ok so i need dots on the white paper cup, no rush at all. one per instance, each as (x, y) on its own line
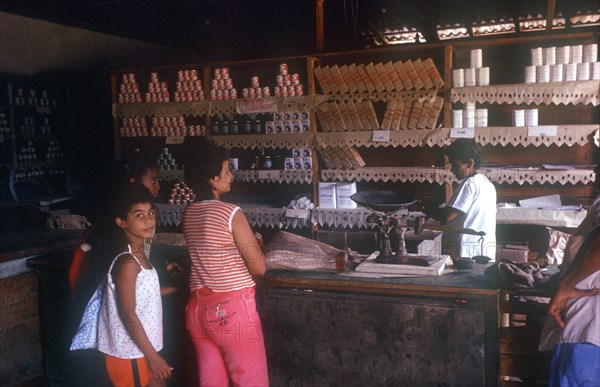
(536, 56)
(530, 74)
(583, 71)
(483, 76)
(458, 78)
(457, 118)
(542, 73)
(531, 117)
(518, 117)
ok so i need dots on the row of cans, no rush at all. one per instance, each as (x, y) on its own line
(583, 71)
(189, 96)
(168, 121)
(191, 130)
(221, 95)
(157, 97)
(128, 88)
(471, 77)
(221, 84)
(470, 118)
(129, 98)
(189, 85)
(187, 75)
(158, 87)
(36, 102)
(564, 54)
(32, 93)
(31, 176)
(525, 117)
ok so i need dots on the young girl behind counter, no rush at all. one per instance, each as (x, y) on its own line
(221, 315)
(130, 323)
(472, 205)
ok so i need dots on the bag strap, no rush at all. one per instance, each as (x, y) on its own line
(117, 257)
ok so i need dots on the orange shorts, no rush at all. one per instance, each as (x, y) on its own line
(127, 372)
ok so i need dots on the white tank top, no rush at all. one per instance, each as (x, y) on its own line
(113, 338)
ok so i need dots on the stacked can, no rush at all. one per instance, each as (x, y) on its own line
(157, 91)
(301, 159)
(166, 161)
(474, 75)
(54, 151)
(181, 194)
(287, 85)
(188, 87)
(129, 90)
(564, 63)
(221, 87)
(163, 126)
(255, 91)
(133, 127)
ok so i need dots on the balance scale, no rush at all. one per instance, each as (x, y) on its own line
(392, 256)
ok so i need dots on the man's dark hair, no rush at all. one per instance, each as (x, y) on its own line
(463, 150)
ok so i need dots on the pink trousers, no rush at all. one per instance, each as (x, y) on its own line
(227, 334)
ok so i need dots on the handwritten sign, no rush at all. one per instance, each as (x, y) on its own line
(542, 131)
(462, 133)
(251, 106)
(381, 136)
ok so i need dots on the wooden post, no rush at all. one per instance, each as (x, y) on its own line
(448, 58)
(550, 14)
(319, 17)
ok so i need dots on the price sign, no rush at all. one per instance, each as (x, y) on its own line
(381, 136)
(174, 140)
(262, 105)
(296, 213)
(542, 131)
(462, 133)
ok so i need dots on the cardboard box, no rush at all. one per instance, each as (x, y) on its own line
(343, 191)
(327, 197)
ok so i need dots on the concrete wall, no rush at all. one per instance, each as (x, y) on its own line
(31, 46)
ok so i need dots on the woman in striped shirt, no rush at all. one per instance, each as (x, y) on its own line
(221, 314)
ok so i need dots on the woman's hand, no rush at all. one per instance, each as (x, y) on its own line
(559, 301)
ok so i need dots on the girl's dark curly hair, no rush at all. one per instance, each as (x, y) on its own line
(464, 149)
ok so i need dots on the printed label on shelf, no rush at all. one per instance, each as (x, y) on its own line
(174, 140)
(542, 131)
(462, 133)
(265, 174)
(296, 213)
(381, 136)
(262, 105)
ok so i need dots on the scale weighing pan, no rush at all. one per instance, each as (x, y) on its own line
(383, 201)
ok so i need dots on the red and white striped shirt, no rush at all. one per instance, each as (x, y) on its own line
(216, 260)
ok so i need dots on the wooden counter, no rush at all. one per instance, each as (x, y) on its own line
(327, 329)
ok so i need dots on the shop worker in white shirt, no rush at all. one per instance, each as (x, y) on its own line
(572, 328)
(473, 204)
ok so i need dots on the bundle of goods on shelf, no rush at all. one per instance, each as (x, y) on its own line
(181, 194)
(255, 91)
(398, 76)
(222, 86)
(470, 117)
(347, 116)
(475, 75)
(301, 159)
(564, 63)
(33, 99)
(341, 157)
(287, 85)
(157, 91)
(525, 117)
(188, 87)
(129, 90)
(288, 122)
(166, 161)
(412, 114)
(336, 195)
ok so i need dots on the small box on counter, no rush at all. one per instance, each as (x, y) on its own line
(327, 197)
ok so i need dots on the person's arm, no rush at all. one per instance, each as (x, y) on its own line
(442, 214)
(249, 247)
(585, 263)
(125, 275)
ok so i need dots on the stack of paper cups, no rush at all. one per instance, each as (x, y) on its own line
(590, 53)
(583, 71)
(481, 118)
(549, 55)
(563, 54)
(531, 117)
(595, 71)
(518, 117)
(469, 118)
(556, 73)
(457, 118)
(483, 76)
(536, 56)
(476, 58)
(576, 54)
(470, 77)
(530, 74)
(542, 73)
(458, 78)
(570, 72)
